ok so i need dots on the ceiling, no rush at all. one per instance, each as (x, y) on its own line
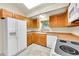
(50, 11)
(47, 9)
(43, 8)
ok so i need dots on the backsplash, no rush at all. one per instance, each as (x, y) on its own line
(74, 30)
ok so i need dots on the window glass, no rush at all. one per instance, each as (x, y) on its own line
(44, 24)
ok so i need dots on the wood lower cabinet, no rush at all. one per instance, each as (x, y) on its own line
(29, 39)
(36, 38)
(42, 39)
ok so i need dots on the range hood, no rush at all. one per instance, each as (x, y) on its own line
(74, 23)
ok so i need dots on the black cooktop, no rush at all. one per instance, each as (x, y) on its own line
(69, 50)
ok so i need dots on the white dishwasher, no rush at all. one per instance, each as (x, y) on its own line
(51, 41)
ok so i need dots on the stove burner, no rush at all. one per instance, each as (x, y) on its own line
(76, 43)
(69, 50)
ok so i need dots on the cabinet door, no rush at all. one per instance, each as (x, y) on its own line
(29, 39)
(6, 13)
(59, 20)
(21, 34)
(42, 40)
(18, 17)
(35, 37)
(30, 23)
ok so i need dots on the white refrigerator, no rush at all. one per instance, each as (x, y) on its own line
(14, 35)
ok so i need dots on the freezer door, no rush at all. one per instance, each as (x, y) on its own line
(1, 37)
(10, 42)
(21, 34)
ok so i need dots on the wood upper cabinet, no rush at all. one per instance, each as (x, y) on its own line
(0, 13)
(33, 23)
(29, 24)
(20, 17)
(4, 13)
(59, 20)
(7, 13)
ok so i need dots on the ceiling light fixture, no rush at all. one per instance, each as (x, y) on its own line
(43, 17)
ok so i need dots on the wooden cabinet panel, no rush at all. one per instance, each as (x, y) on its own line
(16, 16)
(29, 39)
(42, 40)
(7, 13)
(20, 17)
(35, 37)
(1, 13)
(59, 20)
(4, 13)
(39, 39)
(33, 23)
(29, 24)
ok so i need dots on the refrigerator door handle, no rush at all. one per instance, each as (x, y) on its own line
(12, 34)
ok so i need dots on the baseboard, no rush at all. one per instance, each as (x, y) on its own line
(20, 52)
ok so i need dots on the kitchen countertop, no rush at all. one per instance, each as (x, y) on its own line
(74, 33)
(55, 30)
(65, 36)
